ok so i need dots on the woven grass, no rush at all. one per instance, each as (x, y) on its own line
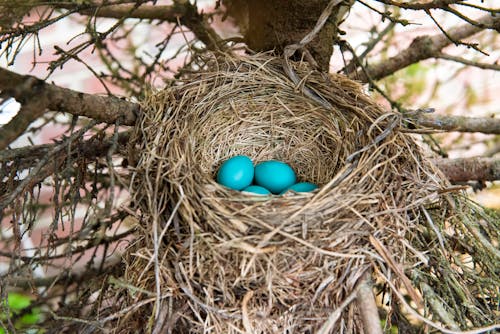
(214, 260)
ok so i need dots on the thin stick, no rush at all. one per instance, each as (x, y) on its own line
(368, 307)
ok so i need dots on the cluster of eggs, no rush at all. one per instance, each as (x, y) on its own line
(266, 178)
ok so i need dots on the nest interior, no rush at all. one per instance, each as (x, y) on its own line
(221, 261)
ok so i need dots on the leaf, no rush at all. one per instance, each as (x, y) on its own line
(29, 319)
(17, 301)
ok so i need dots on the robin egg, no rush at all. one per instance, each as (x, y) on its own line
(236, 173)
(274, 175)
(257, 190)
(301, 187)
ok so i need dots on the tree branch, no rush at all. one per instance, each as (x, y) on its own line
(36, 155)
(368, 307)
(16, 127)
(457, 123)
(419, 5)
(424, 47)
(468, 169)
(26, 88)
(181, 11)
(484, 66)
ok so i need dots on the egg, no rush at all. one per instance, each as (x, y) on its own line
(274, 175)
(236, 173)
(257, 190)
(302, 187)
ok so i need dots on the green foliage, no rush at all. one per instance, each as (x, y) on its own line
(407, 85)
(392, 330)
(20, 312)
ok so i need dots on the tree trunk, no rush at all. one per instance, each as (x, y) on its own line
(274, 24)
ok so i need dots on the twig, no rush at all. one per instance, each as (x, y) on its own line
(433, 324)
(374, 41)
(76, 276)
(91, 148)
(106, 109)
(368, 307)
(186, 12)
(6, 199)
(396, 268)
(385, 14)
(419, 5)
(464, 61)
(457, 42)
(291, 49)
(424, 47)
(370, 45)
(437, 306)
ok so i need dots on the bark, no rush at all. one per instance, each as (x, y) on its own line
(368, 307)
(37, 96)
(274, 24)
(458, 123)
(470, 169)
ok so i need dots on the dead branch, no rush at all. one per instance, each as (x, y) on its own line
(456, 123)
(181, 11)
(90, 149)
(25, 88)
(424, 47)
(468, 169)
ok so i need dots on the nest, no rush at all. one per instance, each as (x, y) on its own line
(214, 260)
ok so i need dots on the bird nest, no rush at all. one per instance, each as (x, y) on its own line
(213, 260)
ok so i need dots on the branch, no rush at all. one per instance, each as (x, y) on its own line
(181, 11)
(36, 157)
(26, 88)
(468, 62)
(424, 47)
(468, 169)
(440, 4)
(368, 307)
(419, 6)
(457, 123)
(12, 130)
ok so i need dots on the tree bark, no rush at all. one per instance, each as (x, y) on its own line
(25, 88)
(457, 123)
(470, 169)
(274, 24)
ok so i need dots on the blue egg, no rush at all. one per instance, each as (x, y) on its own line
(236, 173)
(302, 187)
(257, 190)
(274, 175)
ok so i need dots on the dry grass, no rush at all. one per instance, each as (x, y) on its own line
(213, 260)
